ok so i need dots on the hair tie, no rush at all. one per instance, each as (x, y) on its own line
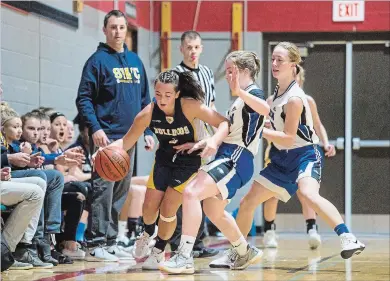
(55, 115)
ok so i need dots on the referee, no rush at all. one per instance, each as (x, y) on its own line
(191, 48)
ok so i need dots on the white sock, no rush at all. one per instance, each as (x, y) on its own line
(186, 245)
(241, 245)
(122, 226)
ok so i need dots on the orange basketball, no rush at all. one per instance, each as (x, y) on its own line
(112, 163)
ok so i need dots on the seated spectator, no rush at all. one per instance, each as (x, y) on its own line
(74, 196)
(26, 196)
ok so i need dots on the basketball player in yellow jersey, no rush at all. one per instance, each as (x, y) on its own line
(178, 102)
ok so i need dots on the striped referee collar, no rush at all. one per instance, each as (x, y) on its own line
(189, 68)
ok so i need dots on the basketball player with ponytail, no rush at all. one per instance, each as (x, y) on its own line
(295, 163)
(171, 116)
(270, 206)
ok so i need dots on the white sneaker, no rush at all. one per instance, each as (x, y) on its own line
(154, 260)
(350, 245)
(131, 248)
(100, 254)
(314, 239)
(120, 253)
(252, 256)
(224, 261)
(17, 265)
(141, 247)
(123, 238)
(178, 264)
(269, 239)
(125, 243)
(74, 255)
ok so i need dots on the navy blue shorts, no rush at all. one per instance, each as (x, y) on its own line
(231, 169)
(287, 167)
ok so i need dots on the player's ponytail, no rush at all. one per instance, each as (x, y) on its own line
(257, 63)
(183, 82)
(189, 87)
(300, 74)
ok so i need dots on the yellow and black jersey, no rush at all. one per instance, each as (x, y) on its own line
(171, 131)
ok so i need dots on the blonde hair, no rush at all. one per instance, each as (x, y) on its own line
(293, 51)
(301, 74)
(293, 55)
(7, 113)
(246, 59)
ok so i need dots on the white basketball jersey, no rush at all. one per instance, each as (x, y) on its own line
(245, 123)
(202, 130)
(305, 134)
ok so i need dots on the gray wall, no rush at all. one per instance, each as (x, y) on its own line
(41, 61)
(64, 6)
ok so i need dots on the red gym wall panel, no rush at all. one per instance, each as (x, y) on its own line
(104, 6)
(266, 16)
(313, 16)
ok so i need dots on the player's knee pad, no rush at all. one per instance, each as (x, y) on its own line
(170, 219)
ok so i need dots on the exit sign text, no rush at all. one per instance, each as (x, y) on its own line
(344, 11)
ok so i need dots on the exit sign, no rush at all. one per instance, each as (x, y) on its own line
(348, 10)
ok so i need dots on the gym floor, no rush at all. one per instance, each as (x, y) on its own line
(292, 260)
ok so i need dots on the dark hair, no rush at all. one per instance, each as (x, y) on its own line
(55, 115)
(190, 34)
(46, 110)
(115, 13)
(40, 114)
(183, 82)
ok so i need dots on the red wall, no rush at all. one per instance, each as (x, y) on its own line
(264, 16)
(104, 6)
(309, 16)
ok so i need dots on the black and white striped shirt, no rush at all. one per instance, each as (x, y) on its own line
(205, 77)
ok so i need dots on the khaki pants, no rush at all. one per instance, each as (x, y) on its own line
(28, 195)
